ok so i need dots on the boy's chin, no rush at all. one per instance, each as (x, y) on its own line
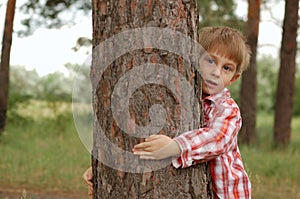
(210, 92)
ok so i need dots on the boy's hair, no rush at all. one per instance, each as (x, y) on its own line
(228, 42)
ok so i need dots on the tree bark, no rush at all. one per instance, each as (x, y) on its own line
(5, 57)
(285, 88)
(248, 88)
(125, 176)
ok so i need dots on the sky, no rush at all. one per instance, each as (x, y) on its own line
(48, 51)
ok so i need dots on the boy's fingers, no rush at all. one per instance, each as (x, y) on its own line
(89, 175)
(151, 137)
(142, 145)
(138, 146)
(89, 183)
(142, 153)
(87, 179)
(145, 157)
(90, 192)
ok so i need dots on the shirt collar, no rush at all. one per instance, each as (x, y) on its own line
(218, 97)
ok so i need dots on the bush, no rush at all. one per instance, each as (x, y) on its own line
(267, 78)
(23, 85)
(297, 95)
(26, 85)
(267, 72)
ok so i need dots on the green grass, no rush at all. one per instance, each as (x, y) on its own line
(41, 153)
(274, 172)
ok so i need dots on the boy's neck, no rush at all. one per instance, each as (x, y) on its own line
(204, 95)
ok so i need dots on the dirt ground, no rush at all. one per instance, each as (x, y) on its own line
(28, 194)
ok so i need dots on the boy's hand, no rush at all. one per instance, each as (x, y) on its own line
(87, 178)
(157, 147)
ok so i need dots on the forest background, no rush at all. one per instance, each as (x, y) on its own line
(43, 156)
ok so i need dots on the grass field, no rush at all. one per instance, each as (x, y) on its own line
(43, 157)
(42, 154)
(274, 172)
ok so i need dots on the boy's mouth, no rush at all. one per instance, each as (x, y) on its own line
(211, 83)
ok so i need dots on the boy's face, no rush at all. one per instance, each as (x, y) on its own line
(217, 73)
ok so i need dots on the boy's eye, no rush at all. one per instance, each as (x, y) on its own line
(210, 60)
(227, 68)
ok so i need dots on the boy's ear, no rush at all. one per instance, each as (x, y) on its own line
(235, 77)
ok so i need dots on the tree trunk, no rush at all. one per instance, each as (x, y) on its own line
(5, 57)
(144, 82)
(248, 89)
(285, 88)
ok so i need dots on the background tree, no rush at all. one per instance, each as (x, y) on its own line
(248, 87)
(5, 59)
(285, 88)
(110, 18)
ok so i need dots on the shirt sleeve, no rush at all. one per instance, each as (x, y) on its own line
(209, 142)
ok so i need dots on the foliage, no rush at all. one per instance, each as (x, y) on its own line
(23, 85)
(297, 95)
(82, 91)
(82, 42)
(267, 78)
(56, 13)
(267, 74)
(51, 13)
(219, 13)
(55, 87)
(27, 85)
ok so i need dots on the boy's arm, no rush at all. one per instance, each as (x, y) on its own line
(87, 178)
(157, 147)
(208, 143)
(200, 144)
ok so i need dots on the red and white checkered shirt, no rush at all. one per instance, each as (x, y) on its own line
(217, 143)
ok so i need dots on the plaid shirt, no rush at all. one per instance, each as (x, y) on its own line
(217, 143)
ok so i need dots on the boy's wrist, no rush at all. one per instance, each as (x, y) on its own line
(175, 149)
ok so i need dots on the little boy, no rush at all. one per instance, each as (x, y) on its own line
(216, 142)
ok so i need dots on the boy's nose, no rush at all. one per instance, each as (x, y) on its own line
(215, 71)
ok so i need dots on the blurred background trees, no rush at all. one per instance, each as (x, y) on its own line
(219, 13)
(249, 80)
(5, 60)
(286, 79)
(51, 14)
